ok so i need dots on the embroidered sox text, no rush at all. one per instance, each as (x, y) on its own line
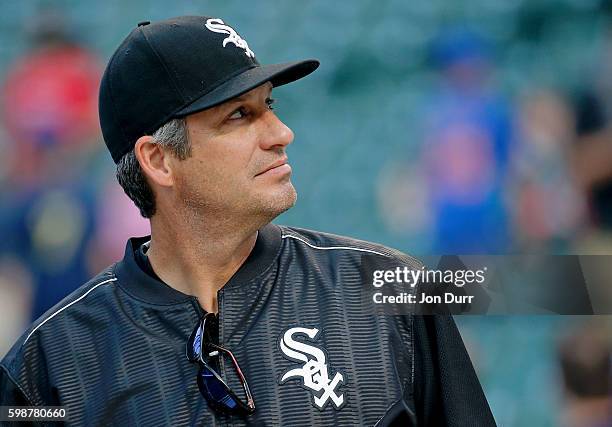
(314, 371)
(218, 26)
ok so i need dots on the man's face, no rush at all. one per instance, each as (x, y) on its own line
(238, 166)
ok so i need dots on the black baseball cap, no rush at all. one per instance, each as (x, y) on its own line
(176, 67)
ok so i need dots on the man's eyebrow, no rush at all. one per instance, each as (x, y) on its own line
(243, 98)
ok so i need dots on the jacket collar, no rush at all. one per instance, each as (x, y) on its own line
(139, 284)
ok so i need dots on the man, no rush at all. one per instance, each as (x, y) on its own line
(220, 317)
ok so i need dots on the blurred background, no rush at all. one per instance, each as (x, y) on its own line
(438, 127)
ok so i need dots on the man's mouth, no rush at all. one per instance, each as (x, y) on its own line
(278, 167)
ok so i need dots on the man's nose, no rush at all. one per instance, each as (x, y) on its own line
(275, 132)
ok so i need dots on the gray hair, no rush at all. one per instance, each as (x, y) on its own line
(171, 136)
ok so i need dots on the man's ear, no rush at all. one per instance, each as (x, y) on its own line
(154, 161)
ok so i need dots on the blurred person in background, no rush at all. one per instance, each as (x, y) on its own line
(49, 214)
(547, 206)
(592, 155)
(585, 363)
(49, 111)
(465, 152)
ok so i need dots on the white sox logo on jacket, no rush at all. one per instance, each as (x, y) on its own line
(314, 371)
(218, 26)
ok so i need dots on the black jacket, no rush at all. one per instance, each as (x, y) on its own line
(113, 352)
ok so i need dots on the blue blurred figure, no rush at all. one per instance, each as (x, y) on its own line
(466, 149)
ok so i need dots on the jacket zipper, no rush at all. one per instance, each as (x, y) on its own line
(200, 313)
(220, 323)
(221, 359)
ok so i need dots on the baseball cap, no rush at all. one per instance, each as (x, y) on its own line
(176, 67)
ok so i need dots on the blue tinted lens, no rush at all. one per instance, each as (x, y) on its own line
(194, 344)
(214, 390)
(197, 343)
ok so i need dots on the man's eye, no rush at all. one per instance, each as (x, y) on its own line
(270, 102)
(238, 114)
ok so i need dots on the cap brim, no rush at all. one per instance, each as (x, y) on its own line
(277, 74)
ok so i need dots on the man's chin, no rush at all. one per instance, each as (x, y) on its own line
(279, 201)
(286, 199)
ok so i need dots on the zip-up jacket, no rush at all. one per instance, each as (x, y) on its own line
(313, 353)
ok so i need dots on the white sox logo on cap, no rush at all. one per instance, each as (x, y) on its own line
(218, 26)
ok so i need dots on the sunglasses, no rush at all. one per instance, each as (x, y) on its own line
(201, 349)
